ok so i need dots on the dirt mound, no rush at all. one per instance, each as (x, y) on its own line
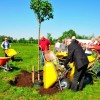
(25, 80)
(49, 91)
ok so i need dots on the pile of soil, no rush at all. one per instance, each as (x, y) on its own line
(49, 91)
(25, 80)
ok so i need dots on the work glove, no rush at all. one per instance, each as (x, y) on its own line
(62, 66)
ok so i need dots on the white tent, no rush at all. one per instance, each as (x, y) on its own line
(84, 41)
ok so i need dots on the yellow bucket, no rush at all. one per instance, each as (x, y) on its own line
(49, 75)
(10, 52)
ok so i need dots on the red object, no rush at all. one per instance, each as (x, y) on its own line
(97, 47)
(44, 44)
(3, 60)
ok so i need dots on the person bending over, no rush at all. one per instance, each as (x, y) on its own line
(77, 55)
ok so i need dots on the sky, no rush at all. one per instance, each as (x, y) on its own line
(19, 21)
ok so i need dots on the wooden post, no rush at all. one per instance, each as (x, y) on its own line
(33, 74)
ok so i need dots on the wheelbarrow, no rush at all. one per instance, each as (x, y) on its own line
(10, 52)
(4, 63)
(70, 73)
(53, 73)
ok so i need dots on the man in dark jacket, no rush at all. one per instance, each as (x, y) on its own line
(77, 55)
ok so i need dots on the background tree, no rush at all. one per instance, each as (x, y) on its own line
(2, 38)
(31, 40)
(22, 40)
(43, 10)
(50, 37)
(82, 37)
(69, 34)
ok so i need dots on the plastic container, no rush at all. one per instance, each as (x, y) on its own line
(3, 60)
(49, 75)
(10, 52)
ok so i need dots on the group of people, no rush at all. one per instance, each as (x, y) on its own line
(76, 54)
(93, 45)
(61, 47)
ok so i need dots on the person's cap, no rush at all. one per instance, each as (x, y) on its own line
(73, 37)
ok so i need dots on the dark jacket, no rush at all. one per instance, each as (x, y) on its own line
(76, 55)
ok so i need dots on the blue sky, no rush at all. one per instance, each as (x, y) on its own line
(18, 20)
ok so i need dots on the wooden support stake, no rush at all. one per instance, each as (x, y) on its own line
(33, 74)
(38, 76)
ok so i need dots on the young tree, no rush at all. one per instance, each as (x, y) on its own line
(43, 10)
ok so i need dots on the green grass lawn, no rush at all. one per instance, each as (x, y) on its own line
(29, 55)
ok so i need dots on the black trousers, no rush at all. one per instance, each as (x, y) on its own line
(5, 53)
(78, 79)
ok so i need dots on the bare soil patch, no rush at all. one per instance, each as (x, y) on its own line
(25, 80)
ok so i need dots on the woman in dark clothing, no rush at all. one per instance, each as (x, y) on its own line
(5, 45)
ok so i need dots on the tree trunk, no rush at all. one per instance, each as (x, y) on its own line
(39, 52)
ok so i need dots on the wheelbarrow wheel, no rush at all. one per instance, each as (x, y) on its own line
(65, 83)
(88, 79)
